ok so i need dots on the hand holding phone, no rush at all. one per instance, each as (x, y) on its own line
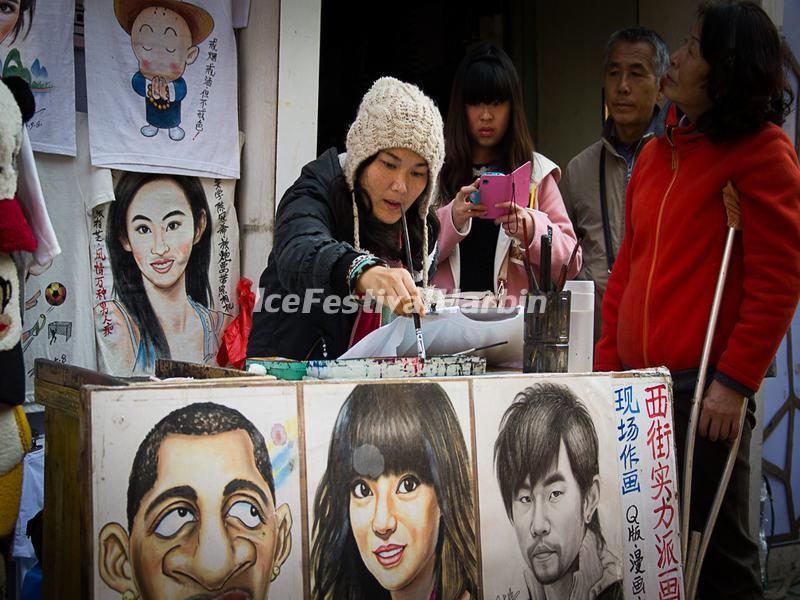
(496, 188)
(464, 207)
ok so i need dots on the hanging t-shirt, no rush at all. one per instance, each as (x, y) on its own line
(42, 55)
(31, 199)
(241, 13)
(58, 300)
(162, 87)
(165, 263)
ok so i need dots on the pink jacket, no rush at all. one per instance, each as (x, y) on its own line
(549, 210)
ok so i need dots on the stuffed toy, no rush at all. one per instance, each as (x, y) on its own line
(16, 106)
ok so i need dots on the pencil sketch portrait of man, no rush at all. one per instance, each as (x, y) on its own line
(546, 461)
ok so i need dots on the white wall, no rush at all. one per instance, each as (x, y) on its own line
(258, 110)
(298, 86)
(278, 74)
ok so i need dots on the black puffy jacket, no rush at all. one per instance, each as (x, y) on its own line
(307, 254)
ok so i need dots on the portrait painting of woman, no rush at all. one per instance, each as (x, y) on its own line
(393, 513)
(158, 235)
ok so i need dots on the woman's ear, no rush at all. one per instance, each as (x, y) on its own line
(283, 535)
(591, 500)
(123, 241)
(201, 226)
(114, 561)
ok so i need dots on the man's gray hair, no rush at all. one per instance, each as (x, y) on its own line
(637, 33)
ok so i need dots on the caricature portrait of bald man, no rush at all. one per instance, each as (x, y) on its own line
(202, 516)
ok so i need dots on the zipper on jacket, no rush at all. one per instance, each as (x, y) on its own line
(655, 249)
(638, 149)
(314, 347)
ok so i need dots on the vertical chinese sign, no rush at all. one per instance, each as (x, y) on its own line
(648, 489)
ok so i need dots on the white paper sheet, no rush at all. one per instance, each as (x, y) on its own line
(448, 331)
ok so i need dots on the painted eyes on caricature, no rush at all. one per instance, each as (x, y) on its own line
(361, 489)
(146, 29)
(169, 31)
(171, 523)
(176, 519)
(553, 496)
(246, 513)
(143, 229)
(406, 485)
(8, 8)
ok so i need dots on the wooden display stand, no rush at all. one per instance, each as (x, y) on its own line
(62, 390)
(96, 426)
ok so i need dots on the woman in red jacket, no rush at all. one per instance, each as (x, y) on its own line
(729, 95)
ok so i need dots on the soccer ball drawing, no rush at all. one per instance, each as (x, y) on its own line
(55, 293)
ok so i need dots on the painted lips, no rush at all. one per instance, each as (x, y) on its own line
(488, 132)
(389, 555)
(162, 266)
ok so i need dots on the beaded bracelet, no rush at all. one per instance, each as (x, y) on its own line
(358, 266)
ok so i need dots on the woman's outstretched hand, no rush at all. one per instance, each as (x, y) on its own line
(392, 287)
(463, 209)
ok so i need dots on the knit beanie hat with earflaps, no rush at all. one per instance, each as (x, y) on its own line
(395, 114)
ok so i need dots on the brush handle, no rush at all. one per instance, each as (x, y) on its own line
(420, 343)
(417, 323)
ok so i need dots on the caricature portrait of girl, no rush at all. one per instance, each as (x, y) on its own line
(393, 513)
(159, 244)
(14, 14)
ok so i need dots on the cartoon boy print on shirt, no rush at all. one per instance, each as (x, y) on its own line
(164, 35)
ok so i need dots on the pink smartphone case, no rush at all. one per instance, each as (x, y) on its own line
(498, 188)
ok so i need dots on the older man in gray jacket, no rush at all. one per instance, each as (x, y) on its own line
(594, 182)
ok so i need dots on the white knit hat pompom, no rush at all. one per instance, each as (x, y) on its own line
(395, 114)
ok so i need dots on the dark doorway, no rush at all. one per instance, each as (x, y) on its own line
(420, 42)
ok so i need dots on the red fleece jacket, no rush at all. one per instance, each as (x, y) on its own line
(656, 307)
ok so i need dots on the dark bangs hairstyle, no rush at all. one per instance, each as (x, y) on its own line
(531, 432)
(384, 241)
(747, 81)
(485, 75)
(391, 429)
(128, 283)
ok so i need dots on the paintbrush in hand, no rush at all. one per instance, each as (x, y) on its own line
(417, 322)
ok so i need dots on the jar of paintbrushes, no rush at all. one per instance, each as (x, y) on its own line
(547, 314)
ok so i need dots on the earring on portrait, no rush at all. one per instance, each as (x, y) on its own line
(276, 570)
(128, 595)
